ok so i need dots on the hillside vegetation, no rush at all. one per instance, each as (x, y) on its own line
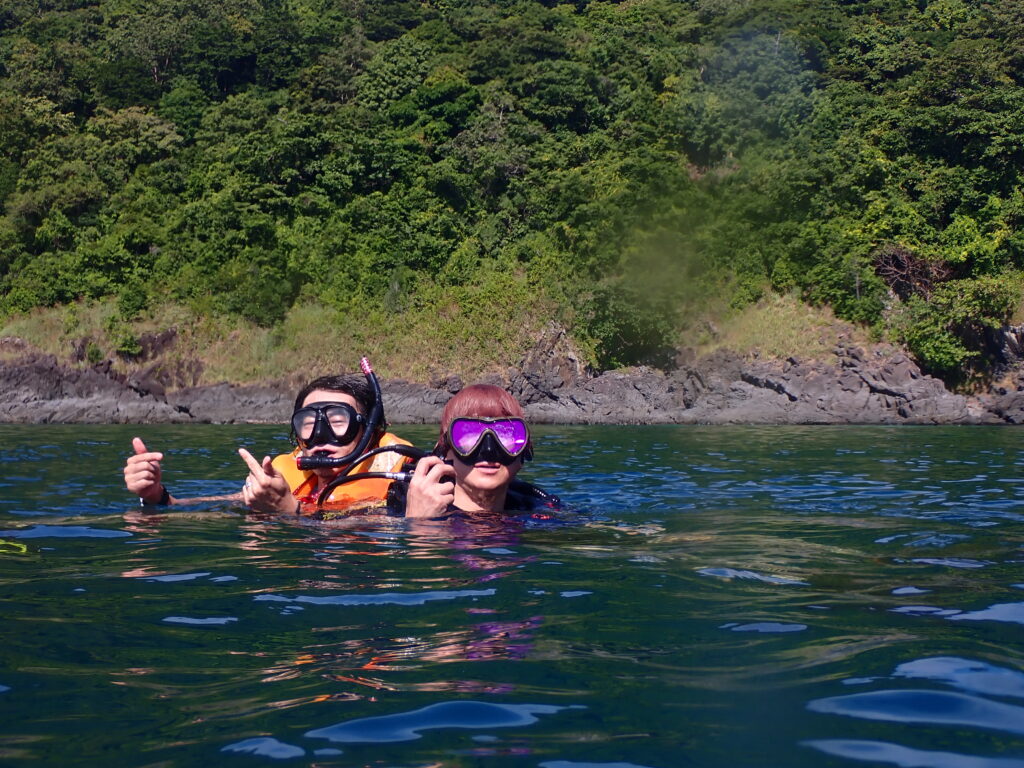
(293, 183)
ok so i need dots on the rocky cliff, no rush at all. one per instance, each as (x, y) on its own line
(878, 385)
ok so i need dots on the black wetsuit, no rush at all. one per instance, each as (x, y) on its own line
(521, 497)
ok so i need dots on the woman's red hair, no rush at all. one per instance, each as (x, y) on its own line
(483, 401)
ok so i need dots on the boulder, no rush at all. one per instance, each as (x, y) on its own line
(409, 403)
(227, 404)
(554, 363)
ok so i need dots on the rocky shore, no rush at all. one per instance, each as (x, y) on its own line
(878, 385)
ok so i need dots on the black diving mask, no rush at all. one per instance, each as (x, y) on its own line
(326, 424)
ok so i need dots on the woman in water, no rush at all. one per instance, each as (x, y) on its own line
(481, 447)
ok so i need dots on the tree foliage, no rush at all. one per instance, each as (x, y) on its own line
(625, 159)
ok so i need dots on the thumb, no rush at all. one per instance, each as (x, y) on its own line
(138, 445)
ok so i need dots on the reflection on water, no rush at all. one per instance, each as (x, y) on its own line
(893, 754)
(408, 726)
(720, 597)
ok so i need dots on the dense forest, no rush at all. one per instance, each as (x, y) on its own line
(616, 166)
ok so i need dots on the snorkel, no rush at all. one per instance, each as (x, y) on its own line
(345, 477)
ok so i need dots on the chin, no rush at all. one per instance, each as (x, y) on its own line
(489, 483)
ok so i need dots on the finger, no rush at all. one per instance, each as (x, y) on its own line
(423, 465)
(261, 486)
(441, 471)
(138, 445)
(268, 467)
(140, 472)
(250, 460)
(269, 487)
(144, 472)
(144, 459)
(255, 485)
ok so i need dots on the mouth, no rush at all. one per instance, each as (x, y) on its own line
(324, 451)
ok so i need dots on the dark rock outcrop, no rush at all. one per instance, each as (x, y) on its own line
(408, 403)
(880, 385)
(35, 388)
(549, 369)
(227, 404)
(1007, 399)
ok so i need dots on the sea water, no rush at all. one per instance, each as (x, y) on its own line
(726, 596)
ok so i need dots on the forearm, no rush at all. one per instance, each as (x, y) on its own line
(237, 496)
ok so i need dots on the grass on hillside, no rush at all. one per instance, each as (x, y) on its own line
(461, 331)
(777, 327)
(455, 330)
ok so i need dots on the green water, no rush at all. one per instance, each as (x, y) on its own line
(721, 597)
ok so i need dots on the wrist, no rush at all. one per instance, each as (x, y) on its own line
(161, 501)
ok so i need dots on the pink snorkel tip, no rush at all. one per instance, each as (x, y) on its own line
(364, 365)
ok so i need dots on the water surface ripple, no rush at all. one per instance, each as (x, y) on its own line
(729, 596)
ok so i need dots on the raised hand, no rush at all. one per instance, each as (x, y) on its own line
(431, 489)
(142, 473)
(265, 489)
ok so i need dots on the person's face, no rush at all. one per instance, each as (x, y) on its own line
(332, 450)
(486, 476)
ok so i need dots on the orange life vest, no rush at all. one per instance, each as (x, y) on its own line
(358, 493)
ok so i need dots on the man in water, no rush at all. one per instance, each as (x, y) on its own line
(336, 420)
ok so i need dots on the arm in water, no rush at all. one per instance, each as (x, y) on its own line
(143, 477)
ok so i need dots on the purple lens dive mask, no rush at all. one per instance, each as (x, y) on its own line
(465, 434)
(510, 439)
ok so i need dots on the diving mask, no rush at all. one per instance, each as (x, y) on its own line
(326, 424)
(501, 439)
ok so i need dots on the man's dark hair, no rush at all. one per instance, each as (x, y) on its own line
(351, 384)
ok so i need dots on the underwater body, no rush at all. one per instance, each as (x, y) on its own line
(715, 596)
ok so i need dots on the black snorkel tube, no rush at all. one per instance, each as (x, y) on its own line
(345, 477)
(402, 450)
